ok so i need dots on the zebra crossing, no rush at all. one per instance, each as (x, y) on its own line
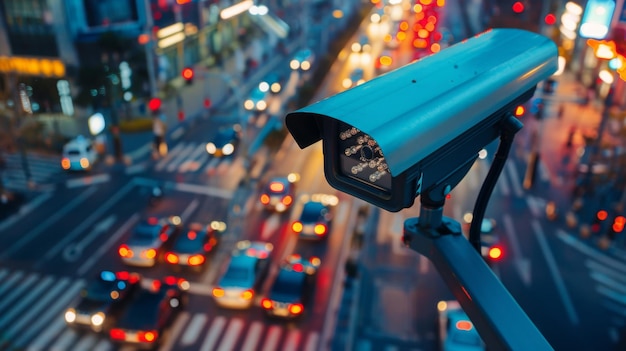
(609, 279)
(43, 169)
(32, 306)
(191, 157)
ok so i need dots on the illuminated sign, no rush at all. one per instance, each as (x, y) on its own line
(236, 9)
(597, 19)
(32, 66)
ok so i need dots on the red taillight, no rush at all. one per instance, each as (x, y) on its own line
(195, 260)
(65, 163)
(247, 295)
(296, 227)
(163, 236)
(495, 253)
(296, 308)
(266, 303)
(156, 285)
(287, 200)
(218, 292)
(153, 221)
(320, 229)
(171, 258)
(123, 275)
(149, 253)
(117, 334)
(277, 187)
(148, 336)
(170, 280)
(125, 251)
(265, 199)
(297, 267)
(464, 325)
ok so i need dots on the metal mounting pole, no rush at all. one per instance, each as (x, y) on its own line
(500, 321)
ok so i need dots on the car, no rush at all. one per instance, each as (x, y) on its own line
(456, 331)
(244, 275)
(102, 301)
(271, 83)
(316, 217)
(383, 62)
(150, 313)
(192, 247)
(149, 240)
(490, 245)
(225, 142)
(78, 155)
(302, 60)
(361, 45)
(293, 287)
(279, 193)
(257, 101)
(355, 78)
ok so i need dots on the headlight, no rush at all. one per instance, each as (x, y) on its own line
(305, 65)
(294, 64)
(210, 148)
(97, 319)
(249, 104)
(228, 149)
(70, 315)
(261, 105)
(275, 87)
(347, 83)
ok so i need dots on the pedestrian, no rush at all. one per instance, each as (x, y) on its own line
(158, 129)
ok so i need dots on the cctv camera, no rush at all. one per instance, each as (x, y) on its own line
(410, 131)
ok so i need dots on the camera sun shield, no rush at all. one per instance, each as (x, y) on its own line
(386, 141)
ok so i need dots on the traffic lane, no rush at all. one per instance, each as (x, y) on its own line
(21, 231)
(86, 210)
(190, 208)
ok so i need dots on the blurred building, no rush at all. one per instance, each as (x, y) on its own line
(70, 57)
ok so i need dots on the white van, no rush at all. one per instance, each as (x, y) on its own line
(78, 154)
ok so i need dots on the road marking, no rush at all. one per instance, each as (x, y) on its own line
(231, 334)
(293, 340)
(504, 186)
(189, 210)
(145, 149)
(515, 179)
(162, 162)
(597, 267)
(177, 133)
(269, 226)
(193, 329)
(52, 318)
(521, 263)
(136, 168)
(312, 342)
(616, 308)
(253, 336)
(87, 222)
(104, 248)
(35, 308)
(552, 266)
(204, 190)
(44, 225)
(11, 281)
(64, 341)
(25, 302)
(86, 181)
(598, 256)
(536, 205)
(215, 329)
(103, 345)
(74, 250)
(272, 338)
(182, 156)
(18, 290)
(174, 331)
(609, 282)
(86, 343)
(24, 210)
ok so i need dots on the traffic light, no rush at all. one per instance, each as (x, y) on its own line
(518, 7)
(187, 74)
(154, 105)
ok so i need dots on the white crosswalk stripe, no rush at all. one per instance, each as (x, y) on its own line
(43, 169)
(32, 319)
(191, 157)
(610, 283)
